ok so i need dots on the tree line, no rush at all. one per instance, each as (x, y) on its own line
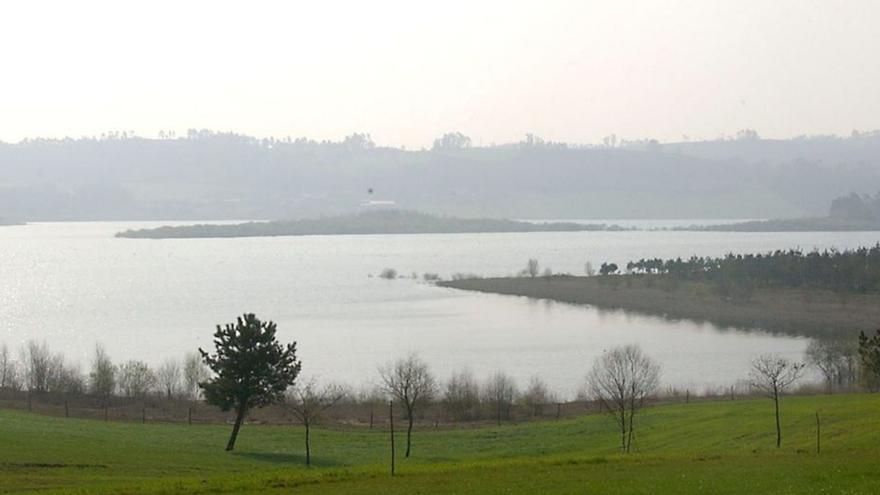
(849, 270)
(39, 370)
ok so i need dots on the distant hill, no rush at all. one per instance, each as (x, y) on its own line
(209, 175)
(373, 222)
(819, 224)
(853, 212)
(5, 222)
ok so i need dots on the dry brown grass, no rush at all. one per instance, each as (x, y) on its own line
(793, 311)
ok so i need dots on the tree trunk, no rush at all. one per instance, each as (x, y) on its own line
(778, 427)
(629, 433)
(239, 417)
(409, 429)
(308, 446)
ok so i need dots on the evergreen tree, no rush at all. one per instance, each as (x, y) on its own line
(251, 369)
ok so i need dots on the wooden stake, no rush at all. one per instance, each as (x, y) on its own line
(818, 435)
(391, 421)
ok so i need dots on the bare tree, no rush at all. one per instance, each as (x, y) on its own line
(589, 270)
(135, 379)
(532, 268)
(102, 377)
(308, 402)
(500, 393)
(848, 364)
(374, 397)
(772, 375)
(168, 376)
(38, 366)
(461, 396)
(66, 378)
(536, 396)
(411, 383)
(8, 370)
(194, 372)
(621, 381)
(825, 356)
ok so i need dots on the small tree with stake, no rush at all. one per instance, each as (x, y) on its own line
(772, 375)
(621, 381)
(308, 402)
(251, 369)
(411, 383)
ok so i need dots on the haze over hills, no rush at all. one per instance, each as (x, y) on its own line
(208, 175)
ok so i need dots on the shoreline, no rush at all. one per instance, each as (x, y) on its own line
(799, 312)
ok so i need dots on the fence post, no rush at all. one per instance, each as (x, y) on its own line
(818, 435)
(189, 416)
(143, 414)
(66, 410)
(371, 417)
(391, 421)
(558, 410)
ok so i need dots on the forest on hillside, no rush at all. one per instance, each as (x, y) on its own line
(215, 175)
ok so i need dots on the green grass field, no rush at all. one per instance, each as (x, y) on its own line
(710, 447)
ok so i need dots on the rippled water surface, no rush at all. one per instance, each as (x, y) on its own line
(74, 284)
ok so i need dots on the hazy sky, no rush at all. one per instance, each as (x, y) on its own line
(407, 71)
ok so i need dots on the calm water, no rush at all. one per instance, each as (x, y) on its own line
(74, 284)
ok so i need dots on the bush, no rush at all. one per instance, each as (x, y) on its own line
(388, 274)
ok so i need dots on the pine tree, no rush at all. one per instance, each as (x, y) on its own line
(251, 369)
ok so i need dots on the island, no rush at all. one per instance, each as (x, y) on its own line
(364, 223)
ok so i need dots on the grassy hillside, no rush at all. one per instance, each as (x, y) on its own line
(717, 447)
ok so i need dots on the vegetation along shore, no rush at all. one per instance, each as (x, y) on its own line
(829, 293)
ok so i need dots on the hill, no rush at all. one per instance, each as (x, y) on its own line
(853, 212)
(211, 175)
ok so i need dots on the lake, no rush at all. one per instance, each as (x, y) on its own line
(74, 285)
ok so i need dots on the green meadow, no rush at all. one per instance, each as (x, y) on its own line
(701, 447)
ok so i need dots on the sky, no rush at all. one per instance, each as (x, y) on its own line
(408, 71)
